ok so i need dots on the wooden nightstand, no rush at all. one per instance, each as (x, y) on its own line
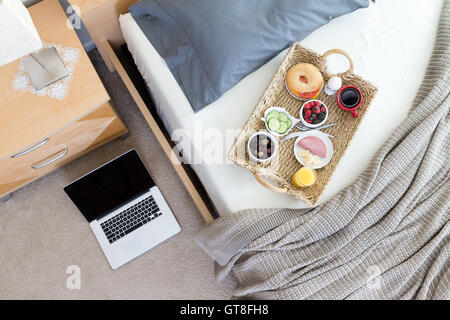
(39, 134)
(101, 18)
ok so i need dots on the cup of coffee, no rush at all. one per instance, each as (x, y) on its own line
(349, 98)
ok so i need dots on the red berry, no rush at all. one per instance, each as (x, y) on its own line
(312, 104)
(322, 109)
(308, 121)
(316, 109)
(307, 106)
(317, 103)
(307, 113)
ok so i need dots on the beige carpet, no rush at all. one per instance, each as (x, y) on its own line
(42, 233)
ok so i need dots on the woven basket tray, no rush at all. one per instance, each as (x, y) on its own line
(284, 165)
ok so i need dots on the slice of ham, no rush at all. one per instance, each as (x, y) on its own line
(314, 145)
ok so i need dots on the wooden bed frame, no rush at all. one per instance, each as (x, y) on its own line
(101, 18)
(206, 210)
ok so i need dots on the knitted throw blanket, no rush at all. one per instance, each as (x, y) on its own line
(390, 242)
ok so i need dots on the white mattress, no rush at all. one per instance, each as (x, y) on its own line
(390, 42)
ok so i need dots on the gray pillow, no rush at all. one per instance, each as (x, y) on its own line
(210, 45)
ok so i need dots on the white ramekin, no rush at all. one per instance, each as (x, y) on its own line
(272, 139)
(310, 125)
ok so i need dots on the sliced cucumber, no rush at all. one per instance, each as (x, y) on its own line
(283, 117)
(283, 128)
(274, 114)
(273, 124)
(289, 122)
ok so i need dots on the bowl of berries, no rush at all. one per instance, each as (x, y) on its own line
(313, 113)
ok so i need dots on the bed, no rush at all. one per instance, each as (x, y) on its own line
(389, 48)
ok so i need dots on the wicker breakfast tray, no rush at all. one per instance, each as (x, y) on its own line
(284, 165)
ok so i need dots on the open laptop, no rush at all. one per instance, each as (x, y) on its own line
(124, 207)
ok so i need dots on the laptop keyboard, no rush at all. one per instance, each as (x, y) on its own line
(130, 219)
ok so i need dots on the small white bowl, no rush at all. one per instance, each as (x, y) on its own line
(279, 109)
(274, 146)
(310, 125)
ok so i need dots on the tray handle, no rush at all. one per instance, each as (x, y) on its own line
(342, 52)
(269, 186)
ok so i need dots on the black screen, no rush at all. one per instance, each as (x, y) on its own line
(110, 186)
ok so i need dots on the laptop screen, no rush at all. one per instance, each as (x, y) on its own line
(109, 187)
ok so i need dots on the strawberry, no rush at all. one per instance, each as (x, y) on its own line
(307, 113)
(316, 109)
(322, 109)
(308, 121)
(312, 104)
(306, 107)
(317, 103)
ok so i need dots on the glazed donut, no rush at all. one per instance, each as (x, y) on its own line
(304, 81)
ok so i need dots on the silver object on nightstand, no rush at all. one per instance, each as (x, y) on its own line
(45, 67)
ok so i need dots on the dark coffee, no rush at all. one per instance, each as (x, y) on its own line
(350, 97)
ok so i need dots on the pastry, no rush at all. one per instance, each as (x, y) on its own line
(304, 81)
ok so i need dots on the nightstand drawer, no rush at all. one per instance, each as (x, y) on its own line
(52, 152)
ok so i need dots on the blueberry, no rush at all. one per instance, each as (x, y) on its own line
(311, 118)
(321, 116)
(316, 121)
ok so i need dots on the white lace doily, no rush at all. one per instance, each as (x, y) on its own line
(57, 90)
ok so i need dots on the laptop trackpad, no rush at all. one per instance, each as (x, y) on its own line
(131, 246)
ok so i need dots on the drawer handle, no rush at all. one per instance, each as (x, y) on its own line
(53, 160)
(40, 144)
